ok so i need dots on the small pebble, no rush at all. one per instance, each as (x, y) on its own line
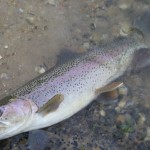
(4, 85)
(102, 113)
(125, 29)
(78, 30)
(51, 2)
(123, 6)
(6, 46)
(1, 57)
(21, 10)
(117, 109)
(4, 76)
(147, 138)
(40, 69)
(30, 20)
(121, 104)
(123, 90)
(142, 119)
(121, 118)
(86, 45)
(6, 91)
(104, 36)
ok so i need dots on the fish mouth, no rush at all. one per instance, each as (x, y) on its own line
(8, 130)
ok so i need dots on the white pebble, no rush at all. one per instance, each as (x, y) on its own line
(102, 113)
(86, 45)
(21, 10)
(30, 20)
(42, 70)
(39, 69)
(4, 76)
(122, 104)
(4, 85)
(117, 109)
(1, 57)
(51, 2)
(123, 6)
(6, 46)
(125, 29)
(123, 90)
(147, 138)
(142, 119)
(104, 36)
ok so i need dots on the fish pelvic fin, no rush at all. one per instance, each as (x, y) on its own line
(52, 105)
(110, 87)
(113, 91)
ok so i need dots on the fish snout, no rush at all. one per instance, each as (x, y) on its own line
(14, 116)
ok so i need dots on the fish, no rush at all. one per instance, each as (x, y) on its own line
(67, 88)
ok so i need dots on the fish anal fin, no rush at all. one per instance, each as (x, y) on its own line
(52, 105)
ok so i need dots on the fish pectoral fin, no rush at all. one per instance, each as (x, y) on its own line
(51, 105)
(110, 87)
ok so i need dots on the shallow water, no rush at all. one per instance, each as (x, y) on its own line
(33, 33)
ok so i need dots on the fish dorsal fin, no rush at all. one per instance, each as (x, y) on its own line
(110, 87)
(67, 55)
(51, 105)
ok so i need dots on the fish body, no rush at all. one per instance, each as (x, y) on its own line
(74, 81)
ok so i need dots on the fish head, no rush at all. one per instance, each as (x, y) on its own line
(15, 116)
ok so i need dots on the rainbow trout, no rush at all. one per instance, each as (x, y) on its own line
(66, 89)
